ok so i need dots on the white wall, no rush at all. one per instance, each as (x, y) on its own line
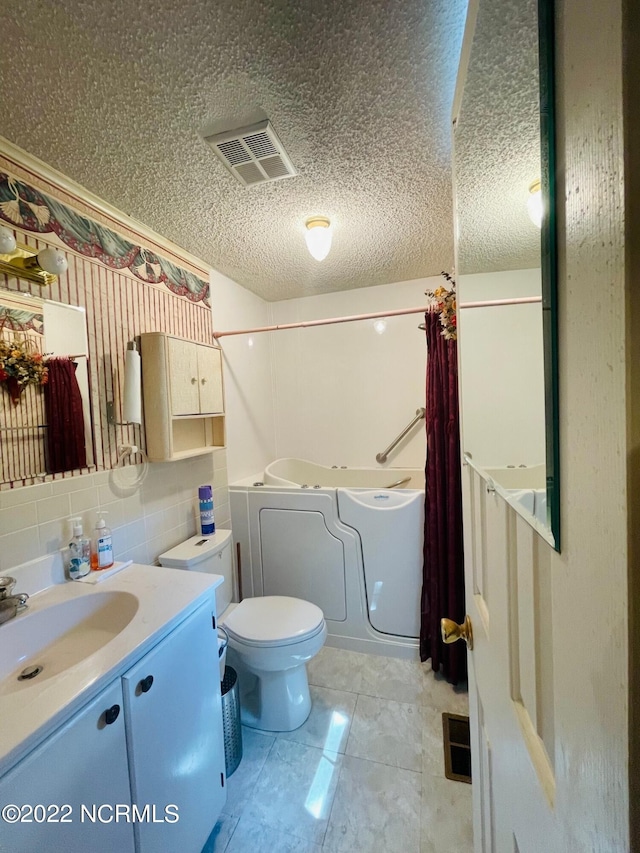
(501, 369)
(343, 392)
(250, 423)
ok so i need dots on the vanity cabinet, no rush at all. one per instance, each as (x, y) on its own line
(183, 396)
(153, 738)
(84, 763)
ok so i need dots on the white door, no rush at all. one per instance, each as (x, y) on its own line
(210, 379)
(549, 672)
(510, 675)
(183, 373)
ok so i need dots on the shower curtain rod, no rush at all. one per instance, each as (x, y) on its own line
(375, 316)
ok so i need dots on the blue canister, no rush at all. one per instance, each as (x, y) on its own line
(207, 521)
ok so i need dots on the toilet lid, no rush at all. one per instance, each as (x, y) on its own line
(273, 620)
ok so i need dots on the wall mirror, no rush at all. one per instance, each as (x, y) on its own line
(503, 153)
(51, 329)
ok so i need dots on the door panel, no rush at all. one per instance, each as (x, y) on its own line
(183, 372)
(508, 672)
(390, 525)
(302, 558)
(210, 380)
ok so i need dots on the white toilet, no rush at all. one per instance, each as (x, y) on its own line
(270, 638)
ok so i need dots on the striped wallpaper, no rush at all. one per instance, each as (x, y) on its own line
(118, 307)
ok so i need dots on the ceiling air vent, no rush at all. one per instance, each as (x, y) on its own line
(254, 154)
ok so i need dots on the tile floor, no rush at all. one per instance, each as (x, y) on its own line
(364, 774)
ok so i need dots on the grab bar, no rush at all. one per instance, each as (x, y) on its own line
(382, 457)
(399, 483)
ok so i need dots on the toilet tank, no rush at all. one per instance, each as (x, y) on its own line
(210, 554)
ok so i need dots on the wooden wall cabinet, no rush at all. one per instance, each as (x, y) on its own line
(183, 397)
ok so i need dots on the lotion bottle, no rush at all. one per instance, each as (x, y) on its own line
(101, 545)
(79, 552)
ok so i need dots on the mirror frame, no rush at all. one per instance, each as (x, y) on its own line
(549, 260)
(33, 477)
(548, 252)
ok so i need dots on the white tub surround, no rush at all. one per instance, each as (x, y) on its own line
(151, 602)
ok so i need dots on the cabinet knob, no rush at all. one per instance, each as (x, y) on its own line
(203, 381)
(145, 684)
(193, 380)
(111, 714)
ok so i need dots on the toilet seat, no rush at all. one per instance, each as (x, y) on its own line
(274, 620)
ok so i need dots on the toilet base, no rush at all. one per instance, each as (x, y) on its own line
(272, 701)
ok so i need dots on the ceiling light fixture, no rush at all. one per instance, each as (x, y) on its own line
(535, 206)
(24, 262)
(318, 236)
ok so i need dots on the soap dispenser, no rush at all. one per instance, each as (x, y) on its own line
(101, 545)
(79, 552)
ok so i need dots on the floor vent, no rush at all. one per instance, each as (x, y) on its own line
(253, 155)
(457, 747)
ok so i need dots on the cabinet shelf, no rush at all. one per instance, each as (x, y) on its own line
(183, 397)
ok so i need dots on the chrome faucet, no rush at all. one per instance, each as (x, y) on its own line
(10, 603)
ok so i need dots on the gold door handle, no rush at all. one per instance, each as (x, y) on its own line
(451, 631)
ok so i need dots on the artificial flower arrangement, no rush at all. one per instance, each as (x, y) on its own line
(443, 300)
(20, 366)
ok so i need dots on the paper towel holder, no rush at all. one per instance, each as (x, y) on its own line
(132, 391)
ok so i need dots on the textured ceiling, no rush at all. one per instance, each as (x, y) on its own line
(118, 96)
(497, 141)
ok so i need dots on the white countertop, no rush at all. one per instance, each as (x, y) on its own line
(32, 709)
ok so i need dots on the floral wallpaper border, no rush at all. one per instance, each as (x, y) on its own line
(21, 321)
(26, 207)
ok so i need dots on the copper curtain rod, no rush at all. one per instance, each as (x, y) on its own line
(377, 315)
(79, 355)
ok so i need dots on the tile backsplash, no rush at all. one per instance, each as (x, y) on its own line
(145, 520)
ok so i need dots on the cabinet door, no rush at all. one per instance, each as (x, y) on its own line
(210, 378)
(174, 736)
(84, 763)
(183, 377)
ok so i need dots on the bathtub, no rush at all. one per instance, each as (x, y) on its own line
(299, 472)
(525, 488)
(341, 538)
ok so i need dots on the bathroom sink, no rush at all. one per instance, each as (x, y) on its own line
(61, 635)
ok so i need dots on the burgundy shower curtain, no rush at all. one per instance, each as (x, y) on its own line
(66, 448)
(443, 570)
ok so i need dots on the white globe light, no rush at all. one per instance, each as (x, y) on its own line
(318, 237)
(535, 206)
(7, 241)
(52, 261)
(380, 326)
